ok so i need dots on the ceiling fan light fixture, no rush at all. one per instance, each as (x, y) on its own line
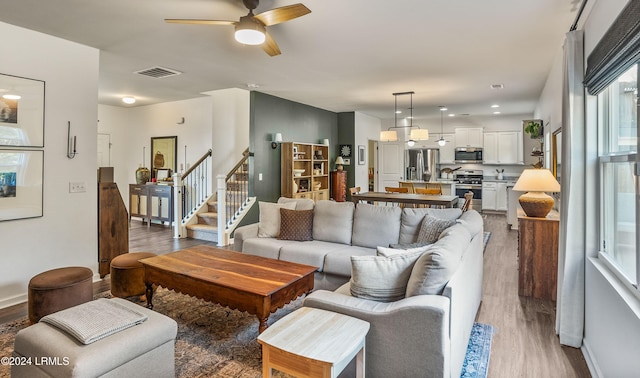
(250, 32)
(442, 142)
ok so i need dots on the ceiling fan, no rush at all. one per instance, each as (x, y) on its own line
(252, 29)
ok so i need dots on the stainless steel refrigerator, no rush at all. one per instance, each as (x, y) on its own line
(421, 163)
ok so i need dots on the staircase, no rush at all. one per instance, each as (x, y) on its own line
(232, 194)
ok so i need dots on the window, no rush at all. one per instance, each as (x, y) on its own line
(618, 146)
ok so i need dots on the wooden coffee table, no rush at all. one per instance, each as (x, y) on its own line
(248, 283)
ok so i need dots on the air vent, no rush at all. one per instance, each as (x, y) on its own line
(497, 86)
(158, 72)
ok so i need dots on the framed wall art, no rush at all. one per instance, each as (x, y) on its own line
(361, 155)
(21, 111)
(21, 177)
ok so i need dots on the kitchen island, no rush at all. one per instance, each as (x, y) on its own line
(448, 186)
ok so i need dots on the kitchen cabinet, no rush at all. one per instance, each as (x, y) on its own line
(503, 147)
(538, 255)
(513, 205)
(494, 195)
(468, 137)
(304, 170)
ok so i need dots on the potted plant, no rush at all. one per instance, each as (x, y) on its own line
(533, 128)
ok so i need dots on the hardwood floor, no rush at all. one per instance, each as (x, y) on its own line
(524, 344)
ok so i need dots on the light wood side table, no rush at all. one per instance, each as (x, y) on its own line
(311, 342)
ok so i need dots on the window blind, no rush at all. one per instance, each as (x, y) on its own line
(618, 50)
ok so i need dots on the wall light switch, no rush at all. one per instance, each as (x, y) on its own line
(259, 176)
(77, 187)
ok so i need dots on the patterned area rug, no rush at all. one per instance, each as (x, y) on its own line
(476, 362)
(212, 341)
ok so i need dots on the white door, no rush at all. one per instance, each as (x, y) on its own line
(104, 149)
(390, 164)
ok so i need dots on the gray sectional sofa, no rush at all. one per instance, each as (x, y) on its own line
(424, 333)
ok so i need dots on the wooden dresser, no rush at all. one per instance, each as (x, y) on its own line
(339, 186)
(538, 255)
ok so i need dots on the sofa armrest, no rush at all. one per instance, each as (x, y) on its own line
(243, 233)
(407, 338)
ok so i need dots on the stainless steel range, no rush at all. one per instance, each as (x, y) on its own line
(470, 180)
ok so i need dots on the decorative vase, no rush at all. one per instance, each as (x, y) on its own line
(142, 175)
(295, 187)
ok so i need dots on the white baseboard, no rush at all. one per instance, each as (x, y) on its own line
(591, 363)
(12, 301)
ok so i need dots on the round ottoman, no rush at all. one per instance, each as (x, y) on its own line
(127, 274)
(58, 289)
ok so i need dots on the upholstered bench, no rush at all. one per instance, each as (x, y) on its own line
(58, 289)
(143, 350)
(127, 274)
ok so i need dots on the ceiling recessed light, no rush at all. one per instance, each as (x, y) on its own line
(495, 106)
(398, 111)
(451, 115)
(496, 112)
(497, 86)
(442, 109)
(129, 100)
(253, 86)
(12, 97)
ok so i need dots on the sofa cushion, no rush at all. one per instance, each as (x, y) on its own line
(269, 223)
(265, 247)
(333, 221)
(296, 225)
(308, 252)
(301, 203)
(472, 220)
(338, 262)
(380, 278)
(375, 225)
(412, 219)
(434, 268)
(432, 227)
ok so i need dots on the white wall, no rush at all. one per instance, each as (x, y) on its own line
(67, 233)
(612, 312)
(366, 128)
(219, 121)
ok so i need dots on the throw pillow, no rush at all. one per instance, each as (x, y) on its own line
(412, 219)
(387, 252)
(333, 221)
(380, 278)
(472, 220)
(432, 227)
(375, 225)
(296, 225)
(434, 268)
(409, 246)
(269, 222)
(301, 203)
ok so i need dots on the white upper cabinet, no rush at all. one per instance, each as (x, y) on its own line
(503, 147)
(469, 137)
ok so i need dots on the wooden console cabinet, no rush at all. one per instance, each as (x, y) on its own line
(538, 255)
(151, 202)
(339, 186)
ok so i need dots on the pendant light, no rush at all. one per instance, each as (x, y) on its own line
(416, 132)
(441, 141)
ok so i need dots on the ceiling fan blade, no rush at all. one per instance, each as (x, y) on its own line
(198, 22)
(282, 14)
(270, 46)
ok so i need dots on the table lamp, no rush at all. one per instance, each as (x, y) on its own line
(339, 163)
(535, 182)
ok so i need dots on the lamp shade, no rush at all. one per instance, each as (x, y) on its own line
(419, 134)
(277, 137)
(537, 180)
(536, 203)
(339, 160)
(388, 136)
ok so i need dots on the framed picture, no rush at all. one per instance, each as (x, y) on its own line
(21, 112)
(164, 154)
(345, 150)
(21, 177)
(361, 155)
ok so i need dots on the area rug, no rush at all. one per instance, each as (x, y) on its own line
(476, 362)
(212, 341)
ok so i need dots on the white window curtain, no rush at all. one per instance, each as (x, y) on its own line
(571, 249)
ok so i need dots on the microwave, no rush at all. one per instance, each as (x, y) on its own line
(468, 155)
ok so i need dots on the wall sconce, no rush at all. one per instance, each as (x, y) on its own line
(277, 139)
(71, 142)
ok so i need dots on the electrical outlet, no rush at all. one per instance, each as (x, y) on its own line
(77, 187)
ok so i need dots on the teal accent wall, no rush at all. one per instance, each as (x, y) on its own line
(346, 135)
(297, 123)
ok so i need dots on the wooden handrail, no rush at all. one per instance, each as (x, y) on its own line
(206, 155)
(245, 156)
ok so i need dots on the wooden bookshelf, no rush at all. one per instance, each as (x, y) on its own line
(313, 161)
